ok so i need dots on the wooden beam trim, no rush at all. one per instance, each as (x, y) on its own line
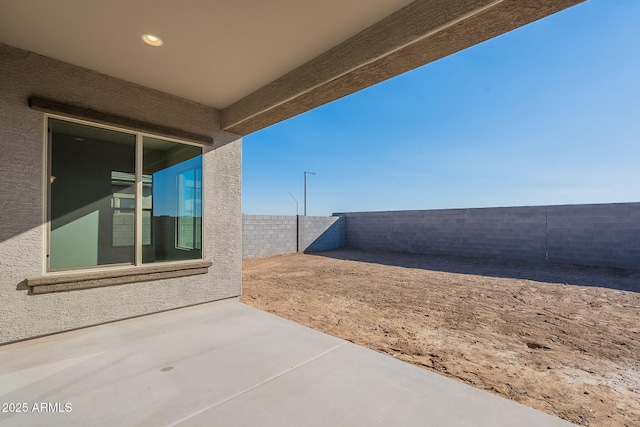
(82, 113)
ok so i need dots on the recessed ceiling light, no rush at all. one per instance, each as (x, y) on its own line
(152, 40)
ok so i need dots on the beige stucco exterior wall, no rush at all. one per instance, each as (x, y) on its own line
(22, 229)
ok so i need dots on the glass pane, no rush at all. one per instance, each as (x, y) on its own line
(92, 197)
(173, 201)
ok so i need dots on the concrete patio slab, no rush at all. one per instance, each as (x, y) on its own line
(227, 364)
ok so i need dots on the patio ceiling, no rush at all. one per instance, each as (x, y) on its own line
(260, 62)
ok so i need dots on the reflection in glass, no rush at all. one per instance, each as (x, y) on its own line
(124, 208)
(175, 194)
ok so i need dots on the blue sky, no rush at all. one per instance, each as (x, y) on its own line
(546, 114)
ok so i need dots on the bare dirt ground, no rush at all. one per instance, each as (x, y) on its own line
(562, 339)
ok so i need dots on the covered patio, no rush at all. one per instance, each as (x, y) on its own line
(76, 348)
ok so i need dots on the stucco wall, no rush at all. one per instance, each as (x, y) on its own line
(22, 231)
(602, 235)
(268, 235)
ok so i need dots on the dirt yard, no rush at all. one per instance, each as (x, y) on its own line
(562, 339)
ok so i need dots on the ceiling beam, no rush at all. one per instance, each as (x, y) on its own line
(420, 33)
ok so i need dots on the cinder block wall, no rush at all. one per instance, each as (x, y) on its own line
(321, 233)
(268, 235)
(603, 235)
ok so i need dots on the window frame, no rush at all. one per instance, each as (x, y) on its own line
(138, 229)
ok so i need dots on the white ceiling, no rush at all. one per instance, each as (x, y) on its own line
(215, 51)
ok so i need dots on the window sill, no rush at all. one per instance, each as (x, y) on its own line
(118, 276)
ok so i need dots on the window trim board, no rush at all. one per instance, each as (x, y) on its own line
(88, 114)
(114, 276)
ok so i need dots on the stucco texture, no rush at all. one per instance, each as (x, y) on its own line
(22, 219)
